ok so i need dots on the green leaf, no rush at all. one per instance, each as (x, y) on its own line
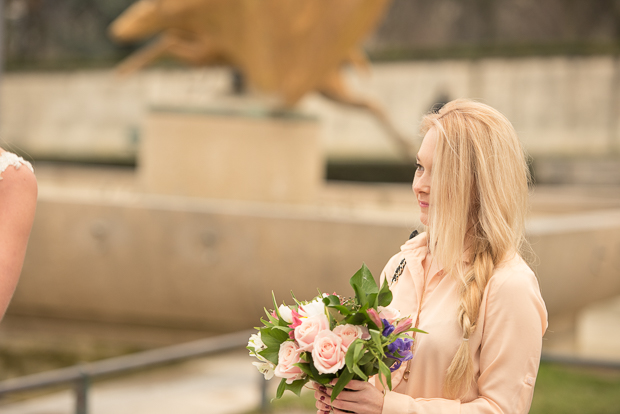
(278, 334)
(385, 294)
(342, 309)
(337, 316)
(376, 339)
(372, 300)
(270, 354)
(305, 367)
(357, 318)
(359, 372)
(331, 300)
(271, 318)
(363, 284)
(358, 345)
(267, 324)
(275, 304)
(369, 368)
(284, 329)
(281, 388)
(296, 386)
(381, 380)
(368, 357)
(344, 379)
(385, 371)
(348, 358)
(272, 338)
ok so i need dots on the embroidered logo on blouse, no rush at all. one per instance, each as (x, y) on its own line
(399, 270)
(401, 267)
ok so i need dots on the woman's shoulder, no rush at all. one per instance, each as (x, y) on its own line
(513, 293)
(16, 175)
(513, 276)
(8, 159)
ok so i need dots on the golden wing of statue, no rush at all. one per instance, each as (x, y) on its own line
(284, 47)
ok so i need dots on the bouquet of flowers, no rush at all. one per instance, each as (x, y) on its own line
(333, 337)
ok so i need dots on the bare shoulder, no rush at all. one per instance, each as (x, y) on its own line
(17, 179)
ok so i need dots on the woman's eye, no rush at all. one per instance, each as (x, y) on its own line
(419, 168)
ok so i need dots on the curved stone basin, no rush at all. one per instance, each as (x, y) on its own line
(102, 251)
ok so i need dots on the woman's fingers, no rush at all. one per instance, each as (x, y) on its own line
(359, 397)
(323, 405)
(342, 406)
(322, 399)
(355, 385)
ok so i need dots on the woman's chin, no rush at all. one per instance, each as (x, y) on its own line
(424, 219)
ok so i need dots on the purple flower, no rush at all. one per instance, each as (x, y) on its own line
(388, 328)
(400, 350)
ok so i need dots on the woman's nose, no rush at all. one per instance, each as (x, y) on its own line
(421, 185)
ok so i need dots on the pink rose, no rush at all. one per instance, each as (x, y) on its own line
(348, 333)
(391, 315)
(328, 353)
(289, 355)
(308, 330)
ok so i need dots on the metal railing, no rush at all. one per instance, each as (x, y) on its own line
(580, 361)
(82, 375)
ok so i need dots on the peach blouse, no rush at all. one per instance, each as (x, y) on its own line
(506, 345)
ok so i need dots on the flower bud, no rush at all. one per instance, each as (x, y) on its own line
(403, 325)
(374, 316)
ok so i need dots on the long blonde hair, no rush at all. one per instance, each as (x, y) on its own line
(478, 207)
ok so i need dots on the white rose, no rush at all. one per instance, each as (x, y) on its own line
(265, 368)
(316, 307)
(286, 313)
(390, 314)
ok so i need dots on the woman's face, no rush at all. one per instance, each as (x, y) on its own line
(422, 178)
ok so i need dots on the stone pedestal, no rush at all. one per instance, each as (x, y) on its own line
(233, 155)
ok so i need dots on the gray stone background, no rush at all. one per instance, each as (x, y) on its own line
(551, 66)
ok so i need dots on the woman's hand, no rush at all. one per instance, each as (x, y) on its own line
(358, 397)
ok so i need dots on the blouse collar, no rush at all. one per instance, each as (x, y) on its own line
(417, 246)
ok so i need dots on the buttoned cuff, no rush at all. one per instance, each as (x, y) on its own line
(397, 403)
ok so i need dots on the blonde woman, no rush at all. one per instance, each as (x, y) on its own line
(18, 198)
(463, 280)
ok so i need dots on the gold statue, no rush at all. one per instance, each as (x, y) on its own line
(286, 47)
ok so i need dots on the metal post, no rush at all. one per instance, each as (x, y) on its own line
(81, 394)
(265, 407)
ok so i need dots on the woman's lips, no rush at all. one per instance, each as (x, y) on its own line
(423, 204)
